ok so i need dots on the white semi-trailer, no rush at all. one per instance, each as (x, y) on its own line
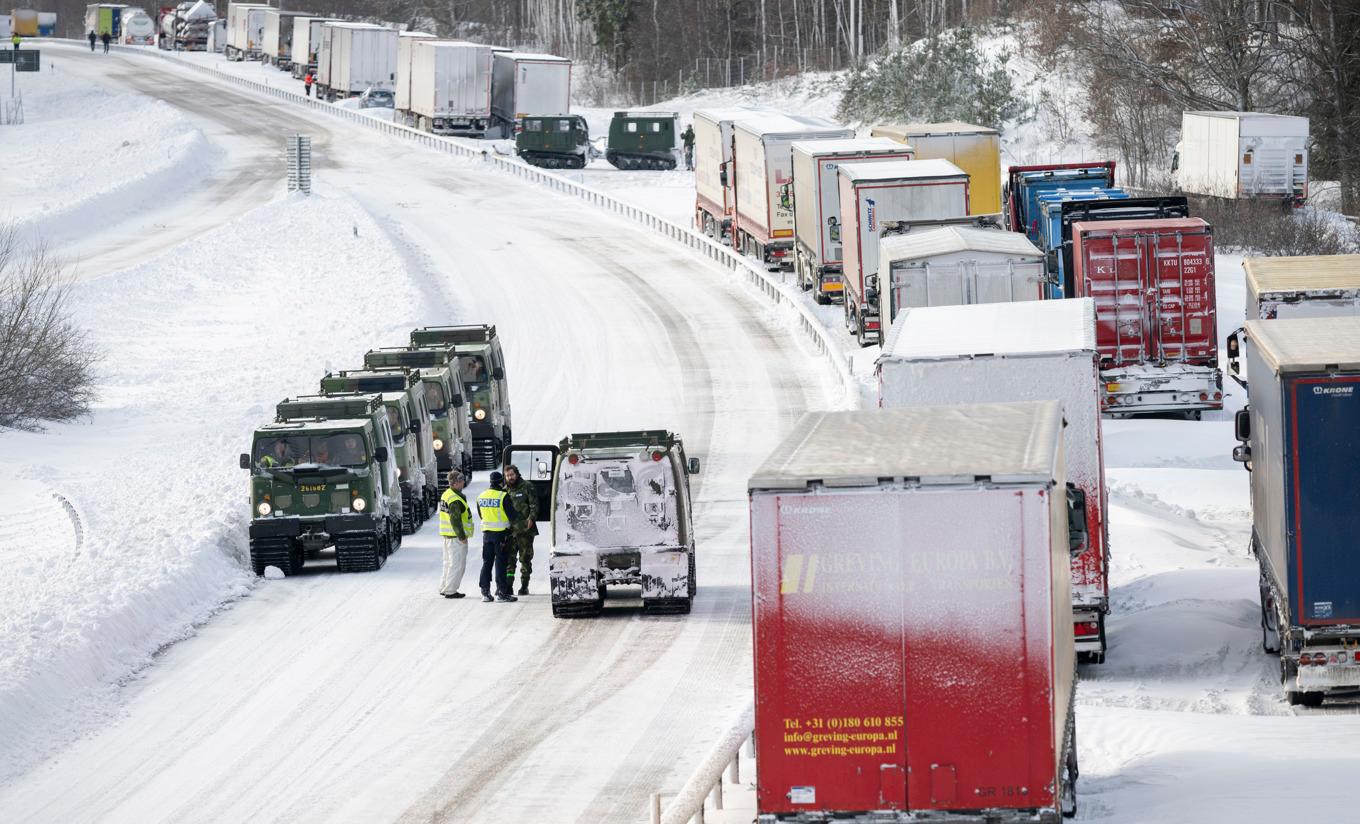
(1243, 155)
(449, 88)
(355, 58)
(528, 84)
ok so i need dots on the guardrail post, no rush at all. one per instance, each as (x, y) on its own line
(654, 804)
(718, 794)
(734, 769)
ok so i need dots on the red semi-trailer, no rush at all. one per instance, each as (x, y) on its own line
(1156, 320)
(912, 617)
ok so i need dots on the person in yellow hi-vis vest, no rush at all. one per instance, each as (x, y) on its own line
(497, 513)
(455, 527)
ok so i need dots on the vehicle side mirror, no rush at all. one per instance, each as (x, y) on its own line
(722, 177)
(1242, 424)
(380, 454)
(1076, 519)
(498, 373)
(1234, 346)
(457, 401)
(415, 426)
(245, 460)
(693, 466)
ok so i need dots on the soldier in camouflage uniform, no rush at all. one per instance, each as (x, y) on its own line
(522, 529)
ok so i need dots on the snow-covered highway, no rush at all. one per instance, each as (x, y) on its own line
(367, 697)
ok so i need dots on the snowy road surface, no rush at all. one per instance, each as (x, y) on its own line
(367, 697)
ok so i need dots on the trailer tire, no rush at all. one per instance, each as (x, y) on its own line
(1270, 629)
(1067, 800)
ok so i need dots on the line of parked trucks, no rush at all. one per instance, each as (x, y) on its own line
(978, 559)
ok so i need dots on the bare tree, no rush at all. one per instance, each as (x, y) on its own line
(46, 362)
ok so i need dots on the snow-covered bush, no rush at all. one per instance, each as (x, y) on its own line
(939, 78)
(46, 364)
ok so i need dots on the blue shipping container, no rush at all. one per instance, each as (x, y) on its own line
(1050, 240)
(1028, 183)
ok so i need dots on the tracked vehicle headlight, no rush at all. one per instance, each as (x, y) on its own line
(360, 504)
(480, 414)
(264, 508)
(438, 445)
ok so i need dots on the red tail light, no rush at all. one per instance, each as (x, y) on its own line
(1319, 658)
(1087, 628)
(574, 459)
(1204, 396)
(656, 456)
(1218, 396)
(1303, 660)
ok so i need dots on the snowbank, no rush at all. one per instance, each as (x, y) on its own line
(198, 346)
(85, 156)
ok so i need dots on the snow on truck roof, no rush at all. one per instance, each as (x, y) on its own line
(846, 145)
(1282, 274)
(1307, 344)
(901, 170)
(778, 124)
(1015, 442)
(947, 127)
(544, 58)
(1248, 115)
(730, 113)
(1030, 327)
(951, 239)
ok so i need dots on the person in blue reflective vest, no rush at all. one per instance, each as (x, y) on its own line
(497, 513)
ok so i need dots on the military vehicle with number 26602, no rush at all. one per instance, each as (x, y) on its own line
(621, 516)
(324, 481)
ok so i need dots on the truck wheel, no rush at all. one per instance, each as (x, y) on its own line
(1270, 630)
(859, 332)
(822, 298)
(408, 515)
(1304, 699)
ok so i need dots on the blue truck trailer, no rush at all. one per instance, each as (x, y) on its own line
(1300, 439)
(1024, 184)
(1124, 208)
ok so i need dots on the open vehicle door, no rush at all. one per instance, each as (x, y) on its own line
(537, 464)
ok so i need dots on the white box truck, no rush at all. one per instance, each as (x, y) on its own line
(1242, 155)
(1006, 352)
(817, 206)
(279, 32)
(948, 265)
(885, 195)
(361, 57)
(527, 84)
(714, 198)
(306, 41)
(762, 158)
(406, 50)
(450, 89)
(245, 31)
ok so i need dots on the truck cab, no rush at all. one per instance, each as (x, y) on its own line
(558, 141)
(318, 482)
(481, 366)
(444, 399)
(621, 516)
(643, 140)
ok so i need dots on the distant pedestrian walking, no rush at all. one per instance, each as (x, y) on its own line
(106, 38)
(92, 37)
(307, 83)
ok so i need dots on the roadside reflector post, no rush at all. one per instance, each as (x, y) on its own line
(718, 794)
(300, 163)
(655, 806)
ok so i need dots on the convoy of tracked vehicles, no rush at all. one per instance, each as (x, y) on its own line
(364, 462)
(621, 514)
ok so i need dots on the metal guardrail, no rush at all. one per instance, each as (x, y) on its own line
(706, 782)
(754, 273)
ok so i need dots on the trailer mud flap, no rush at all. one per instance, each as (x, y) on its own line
(574, 577)
(665, 574)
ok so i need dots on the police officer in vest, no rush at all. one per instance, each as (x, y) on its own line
(455, 527)
(497, 513)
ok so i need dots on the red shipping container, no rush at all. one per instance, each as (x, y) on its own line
(1156, 319)
(912, 616)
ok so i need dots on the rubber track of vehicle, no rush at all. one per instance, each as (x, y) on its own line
(358, 552)
(275, 552)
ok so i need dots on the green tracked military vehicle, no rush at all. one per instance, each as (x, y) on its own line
(444, 394)
(403, 396)
(560, 141)
(324, 481)
(481, 366)
(643, 140)
(621, 516)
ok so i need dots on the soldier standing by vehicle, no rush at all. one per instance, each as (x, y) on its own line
(687, 137)
(455, 527)
(522, 529)
(497, 513)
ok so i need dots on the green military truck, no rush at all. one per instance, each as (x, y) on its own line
(444, 399)
(621, 516)
(403, 396)
(324, 481)
(644, 140)
(560, 141)
(481, 365)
